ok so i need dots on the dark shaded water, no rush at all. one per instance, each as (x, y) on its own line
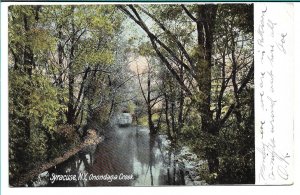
(127, 157)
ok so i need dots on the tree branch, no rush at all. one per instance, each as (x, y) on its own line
(170, 34)
(188, 13)
(246, 80)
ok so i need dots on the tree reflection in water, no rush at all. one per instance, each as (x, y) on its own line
(127, 151)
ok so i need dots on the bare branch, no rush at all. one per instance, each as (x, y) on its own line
(170, 34)
(188, 13)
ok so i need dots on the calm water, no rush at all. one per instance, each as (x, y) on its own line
(125, 151)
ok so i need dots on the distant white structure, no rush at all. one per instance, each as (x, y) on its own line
(124, 119)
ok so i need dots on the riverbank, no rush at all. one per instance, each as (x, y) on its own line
(91, 139)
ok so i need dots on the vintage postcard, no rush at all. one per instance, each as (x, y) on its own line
(147, 94)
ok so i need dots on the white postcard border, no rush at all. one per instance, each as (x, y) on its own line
(284, 136)
(274, 63)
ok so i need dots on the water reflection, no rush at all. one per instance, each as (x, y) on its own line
(127, 151)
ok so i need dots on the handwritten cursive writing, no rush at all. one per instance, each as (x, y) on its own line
(271, 25)
(262, 128)
(270, 73)
(272, 115)
(261, 27)
(272, 45)
(271, 55)
(281, 44)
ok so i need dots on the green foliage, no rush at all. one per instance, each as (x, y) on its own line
(44, 108)
(67, 64)
(31, 99)
(36, 150)
(145, 49)
(39, 90)
(131, 107)
(237, 169)
(143, 120)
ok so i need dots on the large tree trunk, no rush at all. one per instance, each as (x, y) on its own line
(200, 68)
(71, 77)
(205, 25)
(28, 66)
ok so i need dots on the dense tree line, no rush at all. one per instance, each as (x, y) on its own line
(63, 73)
(207, 80)
(69, 71)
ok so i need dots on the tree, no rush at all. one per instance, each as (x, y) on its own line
(151, 95)
(33, 107)
(69, 70)
(197, 59)
(85, 53)
(59, 74)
